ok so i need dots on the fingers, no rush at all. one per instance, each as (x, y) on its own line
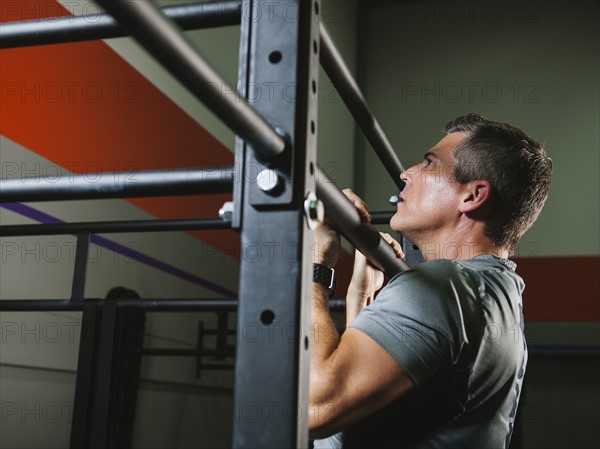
(394, 244)
(360, 205)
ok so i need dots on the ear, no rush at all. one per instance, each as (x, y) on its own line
(476, 194)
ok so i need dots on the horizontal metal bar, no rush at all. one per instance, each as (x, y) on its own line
(216, 367)
(58, 30)
(40, 305)
(161, 37)
(112, 227)
(336, 68)
(187, 352)
(344, 217)
(148, 305)
(186, 181)
(216, 332)
(186, 388)
(179, 305)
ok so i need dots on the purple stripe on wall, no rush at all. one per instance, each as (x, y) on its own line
(42, 217)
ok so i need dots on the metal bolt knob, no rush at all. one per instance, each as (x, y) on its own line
(268, 181)
(314, 210)
(226, 211)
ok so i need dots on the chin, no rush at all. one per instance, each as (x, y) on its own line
(402, 227)
(396, 223)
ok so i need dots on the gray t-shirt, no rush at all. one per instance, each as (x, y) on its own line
(457, 329)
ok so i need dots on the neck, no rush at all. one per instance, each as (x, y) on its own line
(455, 246)
(459, 250)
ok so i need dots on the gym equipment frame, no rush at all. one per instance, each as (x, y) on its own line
(283, 203)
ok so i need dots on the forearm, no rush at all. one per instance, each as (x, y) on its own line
(324, 342)
(355, 302)
(324, 336)
(366, 280)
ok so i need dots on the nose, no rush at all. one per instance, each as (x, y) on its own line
(406, 174)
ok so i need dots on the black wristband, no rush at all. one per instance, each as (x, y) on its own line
(325, 276)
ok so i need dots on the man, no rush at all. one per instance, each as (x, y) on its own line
(438, 359)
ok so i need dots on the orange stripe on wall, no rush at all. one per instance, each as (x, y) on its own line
(561, 288)
(83, 107)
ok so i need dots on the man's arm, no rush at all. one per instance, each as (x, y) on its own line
(351, 376)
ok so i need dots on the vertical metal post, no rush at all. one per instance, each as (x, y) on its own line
(83, 412)
(199, 347)
(102, 432)
(79, 272)
(279, 74)
(93, 412)
(222, 320)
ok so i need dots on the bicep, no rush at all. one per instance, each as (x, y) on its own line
(360, 378)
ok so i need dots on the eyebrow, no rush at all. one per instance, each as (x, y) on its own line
(430, 154)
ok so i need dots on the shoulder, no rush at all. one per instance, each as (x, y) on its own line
(436, 279)
(434, 270)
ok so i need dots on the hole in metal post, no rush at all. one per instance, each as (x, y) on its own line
(275, 57)
(317, 8)
(312, 126)
(305, 343)
(315, 47)
(267, 317)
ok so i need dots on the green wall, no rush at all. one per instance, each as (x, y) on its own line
(532, 64)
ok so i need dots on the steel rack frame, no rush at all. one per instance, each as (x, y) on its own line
(280, 206)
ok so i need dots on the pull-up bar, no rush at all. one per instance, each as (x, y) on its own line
(106, 185)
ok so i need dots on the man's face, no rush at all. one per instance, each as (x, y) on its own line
(429, 202)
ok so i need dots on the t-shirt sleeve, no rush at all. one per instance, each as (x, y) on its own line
(416, 319)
